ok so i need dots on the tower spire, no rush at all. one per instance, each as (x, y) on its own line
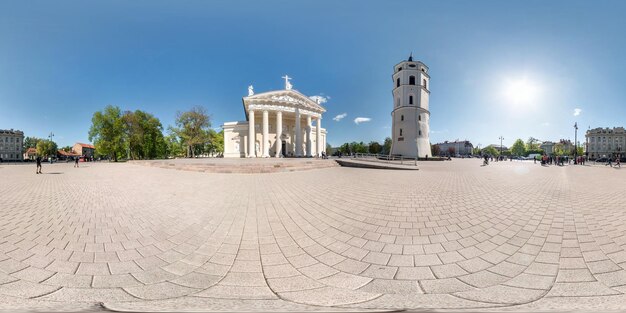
(411, 57)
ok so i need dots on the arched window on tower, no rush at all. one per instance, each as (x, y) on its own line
(410, 99)
(400, 132)
(401, 117)
(419, 117)
(411, 80)
(420, 133)
(424, 83)
(398, 82)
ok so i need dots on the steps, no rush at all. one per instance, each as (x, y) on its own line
(241, 166)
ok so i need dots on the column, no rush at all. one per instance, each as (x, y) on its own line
(318, 137)
(309, 145)
(279, 134)
(298, 134)
(251, 135)
(266, 146)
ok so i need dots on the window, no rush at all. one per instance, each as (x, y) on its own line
(424, 83)
(401, 117)
(410, 99)
(419, 117)
(420, 132)
(411, 80)
(399, 69)
(398, 82)
(400, 131)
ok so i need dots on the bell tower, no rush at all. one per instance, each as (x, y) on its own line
(410, 114)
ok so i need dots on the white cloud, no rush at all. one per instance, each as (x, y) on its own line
(438, 131)
(577, 111)
(340, 117)
(360, 120)
(320, 99)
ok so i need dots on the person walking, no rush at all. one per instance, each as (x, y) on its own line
(38, 161)
(76, 159)
(617, 162)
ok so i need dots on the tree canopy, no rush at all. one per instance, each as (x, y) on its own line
(46, 147)
(144, 135)
(107, 132)
(192, 127)
(518, 148)
(490, 150)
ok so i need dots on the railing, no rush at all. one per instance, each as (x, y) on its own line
(385, 158)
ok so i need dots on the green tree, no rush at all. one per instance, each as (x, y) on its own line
(345, 148)
(581, 151)
(46, 148)
(143, 134)
(174, 148)
(435, 149)
(476, 151)
(375, 147)
(193, 129)
(67, 149)
(358, 147)
(532, 143)
(559, 149)
(387, 146)
(31, 142)
(329, 149)
(518, 148)
(215, 144)
(490, 150)
(107, 132)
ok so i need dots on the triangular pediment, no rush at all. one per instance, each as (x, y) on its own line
(289, 98)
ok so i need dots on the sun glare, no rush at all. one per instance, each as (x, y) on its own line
(521, 91)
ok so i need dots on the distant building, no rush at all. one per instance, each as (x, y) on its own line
(455, 147)
(30, 154)
(84, 149)
(548, 146)
(65, 155)
(605, 142)
(497, 146)
(11, 142)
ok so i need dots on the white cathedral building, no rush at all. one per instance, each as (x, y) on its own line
(278, 124)
(410, 114)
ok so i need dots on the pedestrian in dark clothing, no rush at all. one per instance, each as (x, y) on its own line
(76, 161)
(38, 160)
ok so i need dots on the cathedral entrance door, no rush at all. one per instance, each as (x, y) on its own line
(283, 149)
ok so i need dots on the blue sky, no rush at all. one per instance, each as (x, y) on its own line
(510, 68)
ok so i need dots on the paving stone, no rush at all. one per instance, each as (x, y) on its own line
(348, 242)
(161, 290)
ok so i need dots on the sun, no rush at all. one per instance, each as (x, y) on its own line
(520, 91)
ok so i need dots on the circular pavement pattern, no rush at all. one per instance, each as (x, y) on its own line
(510, 235)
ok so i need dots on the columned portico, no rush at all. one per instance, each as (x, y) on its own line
(308, 136)
(318, 137)
(279, 134)
(251, 135)
(266, 137)
(279, 130)
(298, 134)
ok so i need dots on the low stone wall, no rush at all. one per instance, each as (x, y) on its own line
(243, 166)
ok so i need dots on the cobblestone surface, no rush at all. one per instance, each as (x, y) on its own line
(508, 236)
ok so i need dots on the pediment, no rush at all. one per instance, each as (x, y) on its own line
(289, 98)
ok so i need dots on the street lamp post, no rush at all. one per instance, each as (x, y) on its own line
(575, 142)
(50, 137)
(501, 138)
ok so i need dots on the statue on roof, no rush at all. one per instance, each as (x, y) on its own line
(288, 85)
(250, 91)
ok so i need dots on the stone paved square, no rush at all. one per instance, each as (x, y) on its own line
(453, 235)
